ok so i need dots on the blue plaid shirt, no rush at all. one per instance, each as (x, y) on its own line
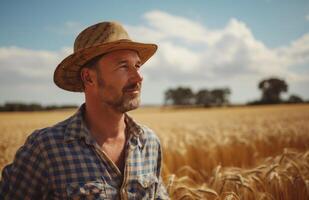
(65, 162)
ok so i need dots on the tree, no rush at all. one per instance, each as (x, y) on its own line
(295, 99)
(216, 97)
(271, 90)
(220, 96)
(179, 96)
(204, 97)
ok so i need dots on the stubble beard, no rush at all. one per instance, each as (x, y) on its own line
(128, 103)
(123, 103)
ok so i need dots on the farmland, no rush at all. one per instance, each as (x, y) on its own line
(257, 152)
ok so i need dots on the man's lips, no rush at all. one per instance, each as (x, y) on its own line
(132, 88)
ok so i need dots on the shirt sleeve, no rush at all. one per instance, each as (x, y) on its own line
(161, 193)
(26, 177)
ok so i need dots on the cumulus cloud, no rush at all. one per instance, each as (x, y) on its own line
(189, 53)
(26, 66)
(27, 76)
(190, 50)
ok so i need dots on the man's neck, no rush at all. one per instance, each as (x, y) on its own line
(105, 123)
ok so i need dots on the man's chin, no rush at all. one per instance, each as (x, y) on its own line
(129, 104)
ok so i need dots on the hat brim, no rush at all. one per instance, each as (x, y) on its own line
(66, 75)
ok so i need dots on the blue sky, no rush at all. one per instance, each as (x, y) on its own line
(201, 44)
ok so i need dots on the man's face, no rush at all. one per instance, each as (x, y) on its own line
(118, 80)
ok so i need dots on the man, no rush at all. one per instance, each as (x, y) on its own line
(100, 152)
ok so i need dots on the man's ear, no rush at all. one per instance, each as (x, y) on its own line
(87, 76)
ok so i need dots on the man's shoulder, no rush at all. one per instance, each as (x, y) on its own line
(48, 134)
(150, 135)
(145, 133)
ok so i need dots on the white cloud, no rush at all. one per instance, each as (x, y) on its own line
(169, 26)
(297, 52)
(27, 76)
(189, 54)
(28, 65)
(307, 17)
(188, 48)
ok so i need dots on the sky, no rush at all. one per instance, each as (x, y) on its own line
(202, 44)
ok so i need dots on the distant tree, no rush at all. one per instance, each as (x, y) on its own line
(204, 97)
(179, 96)
(220, 96)
(271, 89)
(216, 97)
(295, 99)
(16, 106)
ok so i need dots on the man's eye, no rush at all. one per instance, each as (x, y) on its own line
(124, 66)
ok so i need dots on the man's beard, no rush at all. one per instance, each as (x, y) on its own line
(125, 102)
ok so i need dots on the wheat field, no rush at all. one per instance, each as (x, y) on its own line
(256, 153)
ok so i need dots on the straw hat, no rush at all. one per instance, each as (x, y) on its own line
(93, 41)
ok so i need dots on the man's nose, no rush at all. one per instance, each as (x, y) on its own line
(136, 75)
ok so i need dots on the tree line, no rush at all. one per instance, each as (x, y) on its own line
(271, 90)
(11, 107)
(204, 97)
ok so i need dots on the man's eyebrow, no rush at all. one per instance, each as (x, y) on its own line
(122, 62)
(125, 62)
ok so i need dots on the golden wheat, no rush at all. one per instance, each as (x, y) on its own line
(226, 153)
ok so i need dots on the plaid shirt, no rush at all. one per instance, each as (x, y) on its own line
(65, 162)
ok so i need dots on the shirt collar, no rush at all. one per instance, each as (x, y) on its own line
(77, 129)
(135, 132)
